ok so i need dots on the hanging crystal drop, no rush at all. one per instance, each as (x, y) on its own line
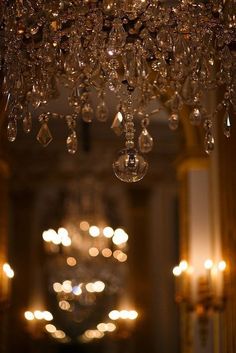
(209, 142)
(226, 125)
(145, 141)
(173, 121)
(130, 166)
(44, 135)
(117, 125)
(195, 117)
(27, 123)
(102, 112)
(12, 130)
(87, 113)
(72, 143)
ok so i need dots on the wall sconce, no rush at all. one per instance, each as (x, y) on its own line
(202, 293)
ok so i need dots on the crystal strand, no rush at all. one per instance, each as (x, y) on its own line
(12, 130)
(209, 138)
(71, 142)
(227, 124)
(173, 121)
(27, 122)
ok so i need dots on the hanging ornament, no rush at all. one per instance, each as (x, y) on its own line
(102, 111)
(27, 122)
(209, 141)
(130, 166)
(44, 135)
(145, 140)
(173, 121)
(87, 113)
(117, 125)
(195, 117)
(227, 124)
(12, 130)
(71, 142)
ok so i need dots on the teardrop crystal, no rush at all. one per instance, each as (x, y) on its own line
(209, 142)
(145, 141)
(12, 130)
(102, 112)
(44, 135)
(72, 143)
(117, 125)
(195, 117)
(173, 121)
(27, 123)
(87, 113)
(227, 125)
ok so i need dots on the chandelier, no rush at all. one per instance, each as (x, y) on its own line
(171, 52)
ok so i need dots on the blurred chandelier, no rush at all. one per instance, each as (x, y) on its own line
(173, 52)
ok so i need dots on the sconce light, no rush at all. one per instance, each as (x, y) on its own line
(6, 274)
(202, 293)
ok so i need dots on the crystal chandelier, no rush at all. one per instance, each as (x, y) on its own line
(173, 52)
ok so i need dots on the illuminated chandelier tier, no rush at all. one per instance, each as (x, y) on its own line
(141, 50)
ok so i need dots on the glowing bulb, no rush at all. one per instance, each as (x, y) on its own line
(119, 237)
(98, 286)
(177, 271)
(133, 315)
(67, 287)
(63, 232)
(208, 264)
(90, 288)
(102, 327)
(222, 265)
(111, 327)
(38, 315)
(29, 315)
(66, 241)
(108, 232)
(93, 252)
(50, 328)
(47, 236)
(94, 231)
(84, 226)
(77, 290)
(124, 314)
(57, 287)
(47, 316)
(106, 252)
(64, 305)
(59, 334)
(71, 261)
(183, 265)
(114, 315)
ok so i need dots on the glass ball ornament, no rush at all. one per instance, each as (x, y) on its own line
(130, 166)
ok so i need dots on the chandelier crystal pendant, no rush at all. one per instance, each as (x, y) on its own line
(141, 50)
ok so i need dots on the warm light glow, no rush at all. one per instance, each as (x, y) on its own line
(67, 287)
(89, 287)
(98, 286)
(133, 315)
(114, 315)
(122, 257)
(66, 241)
(59, 334)
(8, 270)
(208, 264)
(47, 236)
(71, 261)
(102, 327)
(93, 252)
(108, 232)
(177, 271)
(38, 315)
(111, 327)
(124, 314)
(64, 305)
(84, 226)
(77, 290)
(94, 231)
(47, 316)
(63, 232)
(57, 287)
(29, 315)
(120, 237)
(183, 265)
(222, 265)
(50, 328)
(106, 252)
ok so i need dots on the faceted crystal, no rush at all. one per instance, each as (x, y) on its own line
(195, 117)
(117, 125)
(102, 112)
(145, 141)
(87, 113)
(12, 130)
(227, 124)
(209, 142)
(173, 121)
(130, 167)
(44, 135)
(72, 143)
(27, 123)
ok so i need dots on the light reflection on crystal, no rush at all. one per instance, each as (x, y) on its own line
(145, 141)
(44, 135)
(12, 130)
(227, 125)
